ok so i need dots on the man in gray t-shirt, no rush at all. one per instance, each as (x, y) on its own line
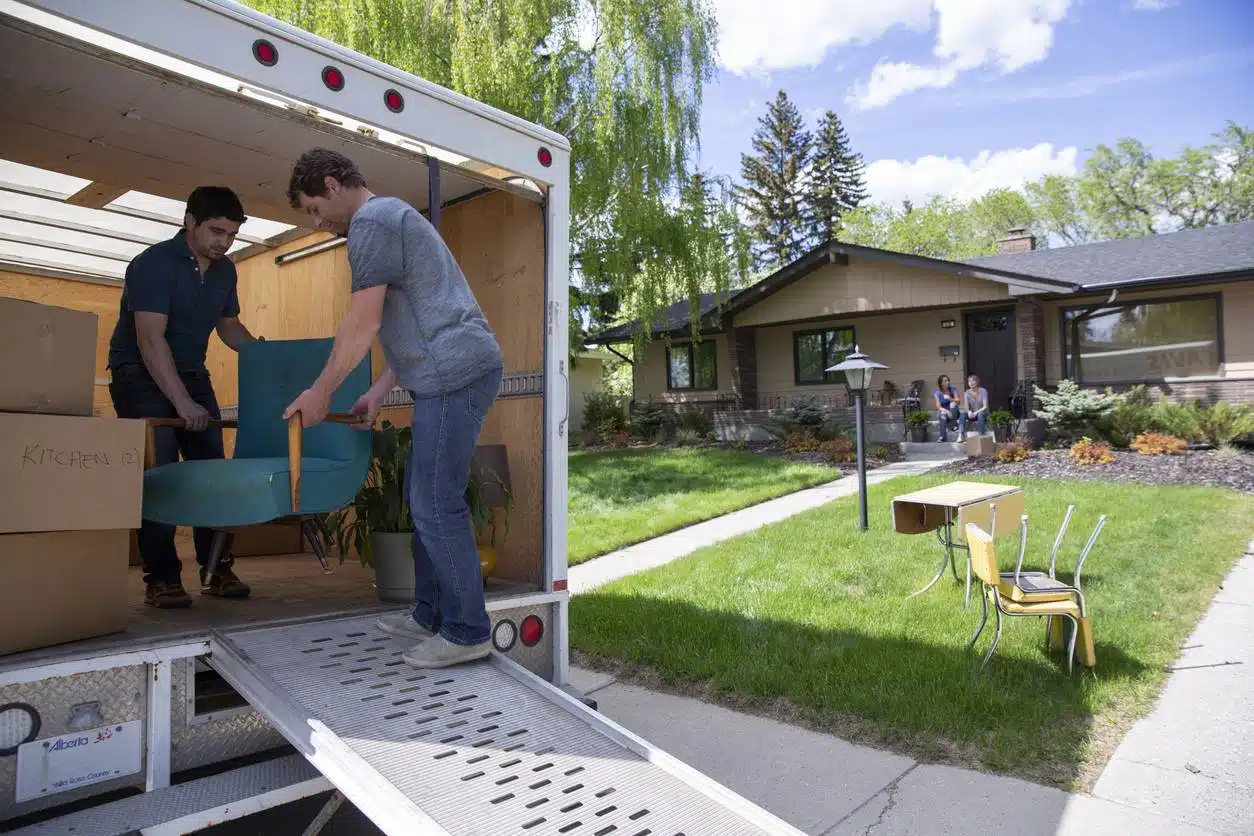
(409, 292)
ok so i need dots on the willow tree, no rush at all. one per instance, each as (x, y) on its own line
(622, 79)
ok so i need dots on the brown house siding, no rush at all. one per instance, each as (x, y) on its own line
(743, 360)
(649, 374)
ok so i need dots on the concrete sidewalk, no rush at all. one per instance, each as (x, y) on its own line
(662, 550)
(826, 786)
(1193, 758)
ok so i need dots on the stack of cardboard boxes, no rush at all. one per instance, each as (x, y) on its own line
(70, 484)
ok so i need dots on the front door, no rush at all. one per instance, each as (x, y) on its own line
(991, 353)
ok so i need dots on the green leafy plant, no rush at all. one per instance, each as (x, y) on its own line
(1072, 411)
(651, 421)
(918, 418)
(381, 507)
(687, 437)
(1183, 420)
(1225, 423)
(603, 413)
(1133, 414)
(695, 420)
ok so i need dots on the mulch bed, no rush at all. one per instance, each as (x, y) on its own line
(1211, 468)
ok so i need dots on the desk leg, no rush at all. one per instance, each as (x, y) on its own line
(946, 558)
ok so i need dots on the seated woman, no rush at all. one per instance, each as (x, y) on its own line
(974, 407)
(947, 412)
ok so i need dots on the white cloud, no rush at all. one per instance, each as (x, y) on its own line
(1152, 5)
(1005, 34)
(757, 37)
(892, 181)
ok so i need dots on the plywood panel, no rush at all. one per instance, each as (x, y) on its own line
(101, 300)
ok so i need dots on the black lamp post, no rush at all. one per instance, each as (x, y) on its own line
(857, 368)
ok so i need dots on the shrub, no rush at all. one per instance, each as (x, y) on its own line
(1071, 410)
(687, 437)
(1086, 451)
(837, 451)
(1157, 444)
(1132, 415)
(918, 418)
(651, 421)
(801, 441)
(1183, 420)
(831, 431)
(1225, 423)
(1001, 420)
(1013, 451)
(603, 413)
(697, 421)
(804, 412)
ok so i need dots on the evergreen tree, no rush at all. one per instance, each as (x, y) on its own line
(773, 194)
(837, 184)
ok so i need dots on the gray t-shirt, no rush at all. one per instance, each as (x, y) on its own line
(434, 335)
(975, 401)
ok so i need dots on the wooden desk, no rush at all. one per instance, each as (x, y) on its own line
(944, 507)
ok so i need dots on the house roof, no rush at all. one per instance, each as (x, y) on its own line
(1189, 254)
(672, 318)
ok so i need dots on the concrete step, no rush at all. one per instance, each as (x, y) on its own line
(924, 448)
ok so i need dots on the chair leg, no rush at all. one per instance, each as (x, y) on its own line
(218, 552)
(1075, 631)
(315, 532)
(983, 621)
(996, 639)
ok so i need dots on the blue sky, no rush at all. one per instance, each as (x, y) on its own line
(958, 96)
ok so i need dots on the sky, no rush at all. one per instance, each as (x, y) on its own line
(956, 97)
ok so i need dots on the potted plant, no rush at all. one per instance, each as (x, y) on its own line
(916, 422)
(379, 526)
(1002, 424)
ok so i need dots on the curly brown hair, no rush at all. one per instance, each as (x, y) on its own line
(314, 166)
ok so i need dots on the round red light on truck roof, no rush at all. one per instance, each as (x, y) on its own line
(394, 101)
(333, 78)
(531, 630)
(265, 52)
(545, 156)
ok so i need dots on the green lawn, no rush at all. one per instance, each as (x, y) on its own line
(808, 618)
(621, 497)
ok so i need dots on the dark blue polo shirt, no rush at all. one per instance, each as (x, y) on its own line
(166, 279)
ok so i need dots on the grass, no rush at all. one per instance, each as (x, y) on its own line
(808, 620)
(622, 497)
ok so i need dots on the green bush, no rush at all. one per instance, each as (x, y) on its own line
(1225, 423)
(697, 421)
(1071, 412)
(651, 421)
(603, 413)
(1132, 415)
(1183, 420)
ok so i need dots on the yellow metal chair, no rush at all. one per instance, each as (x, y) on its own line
(1033, 593)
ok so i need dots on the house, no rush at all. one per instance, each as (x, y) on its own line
(585, 379)
(1171, 311)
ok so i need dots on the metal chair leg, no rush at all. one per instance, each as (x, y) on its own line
(315, 532)
(1075, 631)
(996, 639)
(983, 621)
(218, 552)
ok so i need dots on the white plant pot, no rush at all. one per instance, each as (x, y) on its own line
(393, 567)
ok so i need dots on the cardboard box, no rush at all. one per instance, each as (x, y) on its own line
(981, 445)
(59, 473)
(266, 540)
(61, 587)
(47, 358)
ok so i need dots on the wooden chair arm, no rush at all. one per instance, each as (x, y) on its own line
(295, 439)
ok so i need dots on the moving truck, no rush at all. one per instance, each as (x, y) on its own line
(178, 721)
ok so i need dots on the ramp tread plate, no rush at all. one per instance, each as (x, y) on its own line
(473, 748)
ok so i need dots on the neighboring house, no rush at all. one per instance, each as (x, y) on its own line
(585, 379)
(1174, 311)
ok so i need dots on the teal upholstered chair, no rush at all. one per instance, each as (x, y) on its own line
(279, 470)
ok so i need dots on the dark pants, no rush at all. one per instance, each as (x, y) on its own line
(136, 395)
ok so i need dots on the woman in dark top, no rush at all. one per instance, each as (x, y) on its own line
(946, 397)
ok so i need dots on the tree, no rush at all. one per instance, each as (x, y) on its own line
(774, 190)
(621, 80)
(942, 227)
(837, 183)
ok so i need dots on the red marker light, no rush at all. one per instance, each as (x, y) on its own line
(531, 630)
(265, 52)
(394, 101)
(545, 156)
(333, 78)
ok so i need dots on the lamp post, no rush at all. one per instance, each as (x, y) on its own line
(857, 368)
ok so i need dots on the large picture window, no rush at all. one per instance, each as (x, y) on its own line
(692, 366)
(1143, 341)
(815, 351)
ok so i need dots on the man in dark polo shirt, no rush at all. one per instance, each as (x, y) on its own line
(177, 293)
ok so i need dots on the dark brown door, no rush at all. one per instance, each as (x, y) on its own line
(991, 353)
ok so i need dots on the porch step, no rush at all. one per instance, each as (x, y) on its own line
(932, 448)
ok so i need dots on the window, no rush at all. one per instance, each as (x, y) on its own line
(815, 351)
(692, 366)
(1140, 341)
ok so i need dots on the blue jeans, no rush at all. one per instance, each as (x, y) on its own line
(448, 583)
(946, 417)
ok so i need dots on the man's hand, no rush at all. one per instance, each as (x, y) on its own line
(367, 411)
(194, 415)
(312, 404)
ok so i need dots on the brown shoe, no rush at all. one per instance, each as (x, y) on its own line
(167, 595)
(223, 584)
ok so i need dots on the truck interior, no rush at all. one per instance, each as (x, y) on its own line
(102, 143)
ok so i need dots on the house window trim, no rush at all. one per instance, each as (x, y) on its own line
(796, 354)
(1216, 296)
(692, 366)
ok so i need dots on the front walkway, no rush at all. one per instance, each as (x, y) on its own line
(662, 550)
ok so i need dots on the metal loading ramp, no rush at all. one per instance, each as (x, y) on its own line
(487, 749)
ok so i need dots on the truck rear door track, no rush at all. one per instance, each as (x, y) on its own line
(487, 749)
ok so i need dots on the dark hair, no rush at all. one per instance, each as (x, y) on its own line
(208, 202)
(314, 166)
(940, 378)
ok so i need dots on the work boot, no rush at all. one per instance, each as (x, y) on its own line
(223, 583)
(403, 626)
(439, 652)
(167, 595)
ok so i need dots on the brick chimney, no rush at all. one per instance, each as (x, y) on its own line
(1017, 240)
